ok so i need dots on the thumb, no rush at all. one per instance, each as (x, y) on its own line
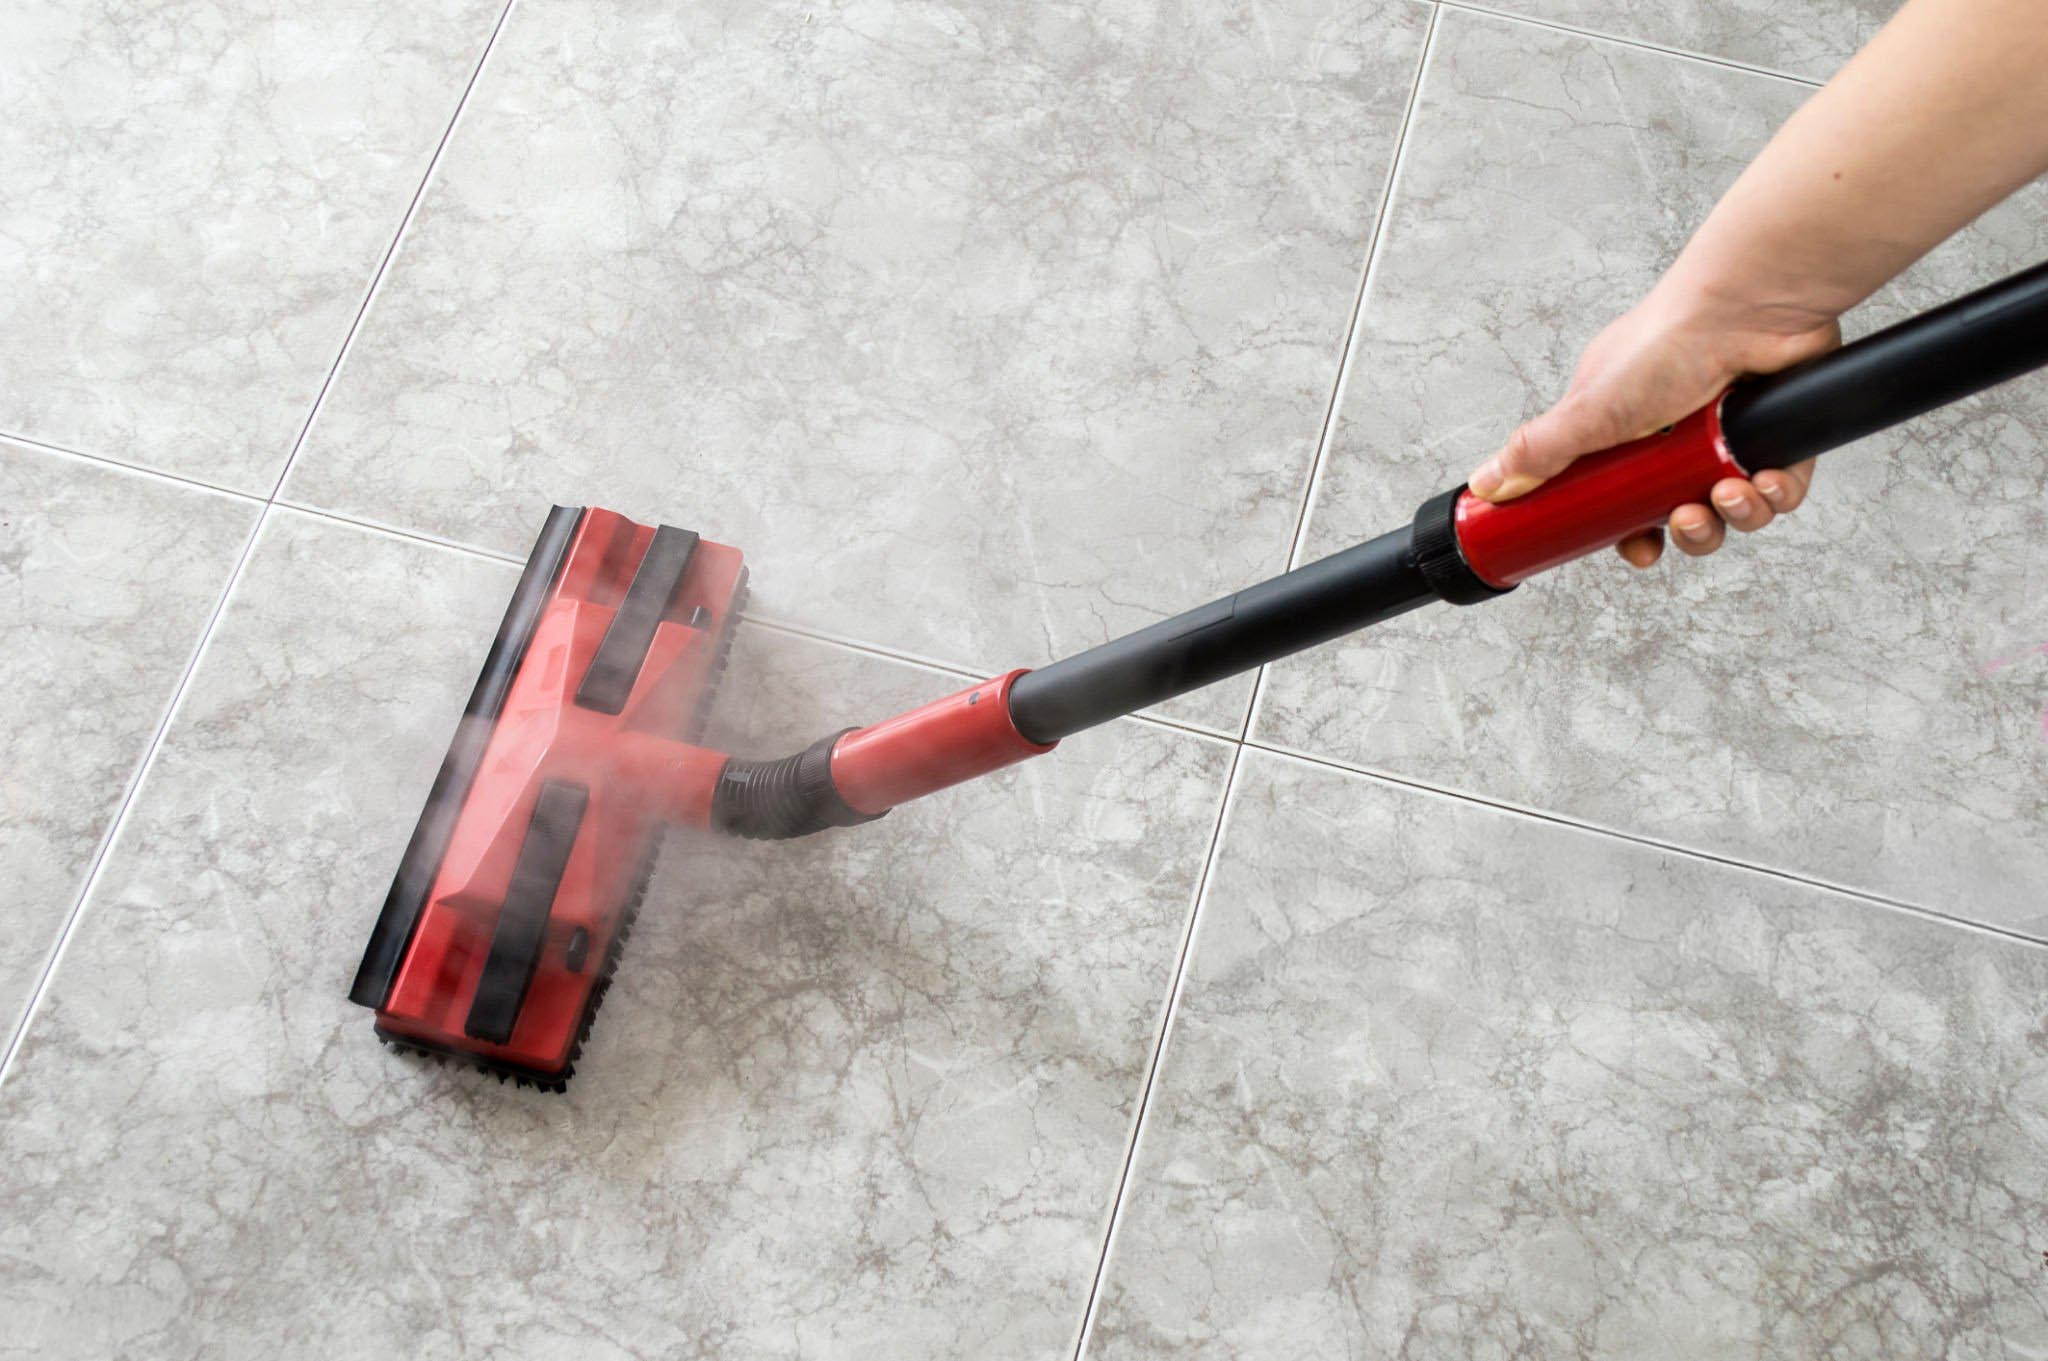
(1542, 448)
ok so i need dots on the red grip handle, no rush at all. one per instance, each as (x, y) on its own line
(1597, 502)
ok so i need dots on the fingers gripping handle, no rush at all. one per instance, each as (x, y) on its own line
(1597, 502)
(1471, 550)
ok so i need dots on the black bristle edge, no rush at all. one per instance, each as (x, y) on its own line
(557, 1084)
(391, 937)
(700, 715)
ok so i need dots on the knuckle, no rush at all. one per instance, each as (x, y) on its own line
(1523, 455)
(1600, 423)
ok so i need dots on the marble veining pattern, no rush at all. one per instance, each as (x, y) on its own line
(989, 333)
(197, 196)
(106, 580)
(1452, 1082)
(1851, 695)
(865, 1096)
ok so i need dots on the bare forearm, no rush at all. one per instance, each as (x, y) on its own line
(1940, 117)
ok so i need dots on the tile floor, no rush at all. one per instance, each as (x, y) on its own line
(1645, 966)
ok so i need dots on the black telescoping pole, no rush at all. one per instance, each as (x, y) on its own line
(1890, 376)
(1940, 356)
(1359, 586)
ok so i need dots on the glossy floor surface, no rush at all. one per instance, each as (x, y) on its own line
(1640, 966)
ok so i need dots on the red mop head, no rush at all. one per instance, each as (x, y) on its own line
(499, 935)
(504, 923)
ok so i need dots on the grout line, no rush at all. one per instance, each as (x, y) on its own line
(1328, 432)
(120, 818)
(1175, 725)
(1683, 54)
(1173, 994)
(883, 650)
(1365, 272)
(1929, 914)
(884, 653)
(139, 470)
(419, 194)
(206, 635)
(389, 531)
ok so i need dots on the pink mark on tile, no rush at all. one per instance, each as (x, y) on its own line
(1996, 665)
(1993, 667)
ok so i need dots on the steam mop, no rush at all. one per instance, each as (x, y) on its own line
(579, 745)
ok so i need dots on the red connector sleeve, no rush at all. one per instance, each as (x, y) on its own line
(943, 743)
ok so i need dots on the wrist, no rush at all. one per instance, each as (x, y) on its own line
(1745, 320)
(1741, 302)
(1756, 267)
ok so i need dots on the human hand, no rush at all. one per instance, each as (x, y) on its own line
(1661, 361)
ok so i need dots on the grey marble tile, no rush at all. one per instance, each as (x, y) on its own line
(1452, 1082)
(865, 1096)
(988, 334)
(1856, 694)
(1806, 38)
(197, 197)
(107, 578)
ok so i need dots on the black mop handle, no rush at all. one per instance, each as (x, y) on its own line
(1464, 551)
(1893, 375)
